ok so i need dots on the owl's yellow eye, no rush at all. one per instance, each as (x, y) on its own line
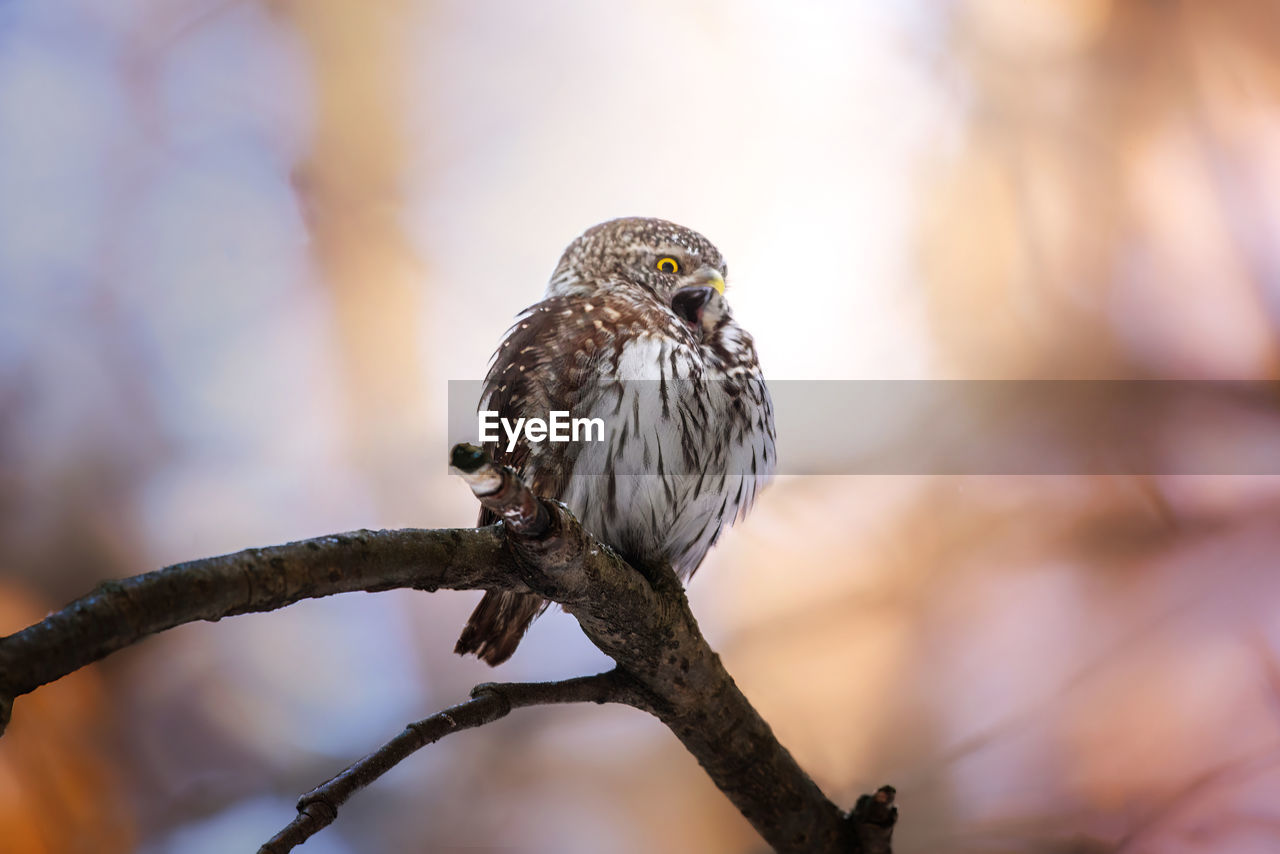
(668, 265)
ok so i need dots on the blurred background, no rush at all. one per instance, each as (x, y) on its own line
(244, 245)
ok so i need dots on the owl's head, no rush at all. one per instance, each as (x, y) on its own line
(649, 259)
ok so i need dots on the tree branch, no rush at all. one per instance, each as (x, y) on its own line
(318, 808)
(873, 819)
(646, 626)
(117, 614)
(642, 621)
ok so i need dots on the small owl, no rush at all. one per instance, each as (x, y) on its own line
(635, 330)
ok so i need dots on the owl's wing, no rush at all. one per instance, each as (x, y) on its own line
(545, 363)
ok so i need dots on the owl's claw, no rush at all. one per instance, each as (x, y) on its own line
(467, 458)
(501, 490)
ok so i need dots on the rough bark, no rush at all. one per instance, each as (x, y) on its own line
(642, 621)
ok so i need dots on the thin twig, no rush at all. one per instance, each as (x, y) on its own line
(318, 808)
(873, 819)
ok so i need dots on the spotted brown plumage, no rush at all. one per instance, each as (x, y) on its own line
(634, 329)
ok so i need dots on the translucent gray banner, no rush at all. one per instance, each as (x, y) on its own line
(1000, 427)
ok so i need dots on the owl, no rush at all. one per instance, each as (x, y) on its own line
(634, 332)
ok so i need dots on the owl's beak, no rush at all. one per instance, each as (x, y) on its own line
(711, 278)
(689, 302)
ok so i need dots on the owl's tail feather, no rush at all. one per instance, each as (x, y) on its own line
(497, 624)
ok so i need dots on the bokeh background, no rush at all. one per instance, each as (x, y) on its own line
(244, 244)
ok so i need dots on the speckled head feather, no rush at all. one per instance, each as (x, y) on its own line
(626, 251)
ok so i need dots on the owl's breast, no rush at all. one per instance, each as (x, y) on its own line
(684, 449)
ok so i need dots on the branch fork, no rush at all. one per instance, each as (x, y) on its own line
(664, 666)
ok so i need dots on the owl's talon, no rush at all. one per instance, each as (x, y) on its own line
(467, 458)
